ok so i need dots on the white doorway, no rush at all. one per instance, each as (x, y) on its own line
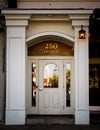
(50, 88)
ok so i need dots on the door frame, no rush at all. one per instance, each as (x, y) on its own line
(36, 58)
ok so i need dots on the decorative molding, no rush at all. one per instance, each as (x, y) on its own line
(78, 20)
(17, 16)
(47, 11)
(73, 15)
(42, 34)
(16, 22)
(80, 16)
(50, 17)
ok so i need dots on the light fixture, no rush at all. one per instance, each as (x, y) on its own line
(82, 33)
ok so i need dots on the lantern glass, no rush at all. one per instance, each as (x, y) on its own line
(82, 33)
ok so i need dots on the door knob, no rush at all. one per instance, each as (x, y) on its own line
(40, 89)
(36, 86)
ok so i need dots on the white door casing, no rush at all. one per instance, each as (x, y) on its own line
(50, 100)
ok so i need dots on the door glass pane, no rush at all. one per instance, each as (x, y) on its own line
(33, 84)
(51, 76)
(68, 83)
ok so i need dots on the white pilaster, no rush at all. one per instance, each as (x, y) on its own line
(81, 79)
(15, 75)
(81, 72)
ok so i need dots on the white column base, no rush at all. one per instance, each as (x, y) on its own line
(82, 117)
(15, 117)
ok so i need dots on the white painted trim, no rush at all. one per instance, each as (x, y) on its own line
(17, 17)
(15, 80)
(16, 22)
(79, 16)
(42, 11)
(65, 59)
(51, 57)
(34, 36)
(81, 78)
(80, 22)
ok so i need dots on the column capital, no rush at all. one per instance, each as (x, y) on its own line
(80, 19)
(17, 19)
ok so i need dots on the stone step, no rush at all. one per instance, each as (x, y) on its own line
(95, 117)
(48, 120)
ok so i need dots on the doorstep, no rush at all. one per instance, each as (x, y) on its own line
(49, 119)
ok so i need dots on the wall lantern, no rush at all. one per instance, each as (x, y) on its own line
(82, 33)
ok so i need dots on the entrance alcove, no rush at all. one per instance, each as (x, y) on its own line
(16, 21)
(45, 51)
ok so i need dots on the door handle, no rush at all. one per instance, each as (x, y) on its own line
(36, 86)
(40, 89)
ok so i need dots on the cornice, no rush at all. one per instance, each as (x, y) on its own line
(45, 11)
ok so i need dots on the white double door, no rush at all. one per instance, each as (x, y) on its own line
(50, 87)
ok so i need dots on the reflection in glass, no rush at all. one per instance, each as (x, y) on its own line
(68, 83)
(33, 84)
(94, 84)
(94, 75)
(51, 76)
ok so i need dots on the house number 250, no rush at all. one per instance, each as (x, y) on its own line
(51, 46)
